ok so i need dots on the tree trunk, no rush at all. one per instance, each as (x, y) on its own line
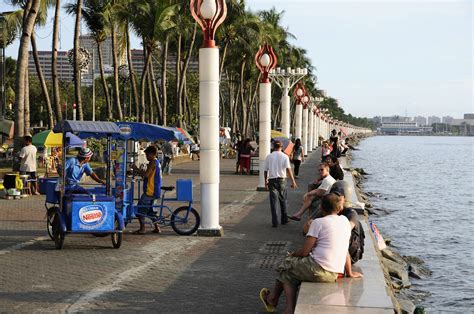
(184, 71)
(77, 69)
(224, 53)
(242, 99)
(151, 111)
(27, 103)
(143, 79)
(156, 94)
(54, 63)
(44, 88)
(117, 105)
(30, 14)
(178, 107)
(133, 78)
(104, 82)
(164, 97)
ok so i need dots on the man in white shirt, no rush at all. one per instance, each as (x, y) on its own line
(277, 167)
(321, 259)
(326, 182)
(28, 161)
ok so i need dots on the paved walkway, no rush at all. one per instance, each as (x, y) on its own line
(160, 273)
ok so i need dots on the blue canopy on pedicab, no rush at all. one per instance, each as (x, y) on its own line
(144, 131)
(92, 127)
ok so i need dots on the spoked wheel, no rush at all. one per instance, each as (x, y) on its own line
(58, 234)
(183, 225)
(117, 236)
(49, 221)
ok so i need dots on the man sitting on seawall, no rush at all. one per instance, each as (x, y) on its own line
(321, 259)
(322, 187)
(356, 242)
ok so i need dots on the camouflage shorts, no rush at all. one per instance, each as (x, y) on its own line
(295, 269)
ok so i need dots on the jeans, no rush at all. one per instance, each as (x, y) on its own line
(277, 188)
(166, 165)
(297, 164)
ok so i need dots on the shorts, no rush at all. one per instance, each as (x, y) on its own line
(32, 174)
(146, 205)
(295, 269)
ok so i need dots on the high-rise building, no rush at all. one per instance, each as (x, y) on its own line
(447, 119)
(88, 43)
(433, 119)
(65, 69)
(420, 120)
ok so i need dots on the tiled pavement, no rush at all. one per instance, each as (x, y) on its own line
(161, 273)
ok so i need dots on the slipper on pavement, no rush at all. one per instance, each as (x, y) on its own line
(294, 218)
(139, 231)
(263, 296)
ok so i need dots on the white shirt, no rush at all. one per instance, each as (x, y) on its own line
(333, 233)
(276, 164)
(28, 158)
(326, 184)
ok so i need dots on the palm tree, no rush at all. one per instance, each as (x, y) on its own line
(150, 21)
(94, 14)
(113, 31)
(30, 13)
(77, 65)
(54, 62)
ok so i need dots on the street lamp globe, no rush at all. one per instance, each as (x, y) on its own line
(299, 92)
(265, 60)
(305, 99)
(208, 9)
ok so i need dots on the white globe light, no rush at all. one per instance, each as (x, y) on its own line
(305, 98)
(299, 92)
(208, 9)
(265, 60)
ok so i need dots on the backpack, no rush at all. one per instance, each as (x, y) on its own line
(356, 243)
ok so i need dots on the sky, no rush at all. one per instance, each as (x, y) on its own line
(379, 57)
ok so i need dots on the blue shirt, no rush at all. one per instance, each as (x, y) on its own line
(74, 171)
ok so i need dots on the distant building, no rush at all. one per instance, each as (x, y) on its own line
(447, 119)
(420, 120)
(65, 70)
(469, 116)
(395, 119)
(88, 42)
(433, 119)
(403, 128)
(464, 126)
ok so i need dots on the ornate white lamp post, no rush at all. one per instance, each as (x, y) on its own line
(299, 93)
(304, 139)
(266, 60)
(310, 125)
(286, 79)
(209, 14)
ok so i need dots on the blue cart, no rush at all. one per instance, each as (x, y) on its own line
(93, 212)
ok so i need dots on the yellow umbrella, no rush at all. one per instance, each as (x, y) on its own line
(277, 134)
(50, 139)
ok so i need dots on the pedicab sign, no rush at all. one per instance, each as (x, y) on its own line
(92, 214)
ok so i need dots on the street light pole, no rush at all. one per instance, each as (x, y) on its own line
(265, 59)
(286, 79)
(304, 139)
(299, 94)
(209, 14)
(310, 126)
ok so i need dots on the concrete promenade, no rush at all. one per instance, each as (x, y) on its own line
(164, 273)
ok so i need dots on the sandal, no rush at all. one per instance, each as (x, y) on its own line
(139, 231)
(294, 218)
(263, 296)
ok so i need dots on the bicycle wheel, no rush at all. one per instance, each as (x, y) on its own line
(58, 234)
(183, 225)
(117, 236)
(49, 221)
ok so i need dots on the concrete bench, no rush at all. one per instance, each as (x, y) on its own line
(363, 295)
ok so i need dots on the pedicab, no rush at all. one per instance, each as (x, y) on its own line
(78, 210)
(184, 220)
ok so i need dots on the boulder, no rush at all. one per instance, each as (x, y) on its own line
(406, 306)
(393, 256)
(398, 271)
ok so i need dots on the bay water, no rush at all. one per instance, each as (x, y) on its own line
(426, 185)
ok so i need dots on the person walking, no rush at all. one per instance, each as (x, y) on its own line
(276, 168)
(297, 156)
(167, 150)
(28, 161)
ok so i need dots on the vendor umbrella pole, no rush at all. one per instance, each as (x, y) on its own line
(266, 60)
(209, 14)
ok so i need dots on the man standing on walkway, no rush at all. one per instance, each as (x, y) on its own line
(28, 161)
(277, 167)
(167, 150)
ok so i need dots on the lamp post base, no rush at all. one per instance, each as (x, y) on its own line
(262, 189)
(219, 232)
